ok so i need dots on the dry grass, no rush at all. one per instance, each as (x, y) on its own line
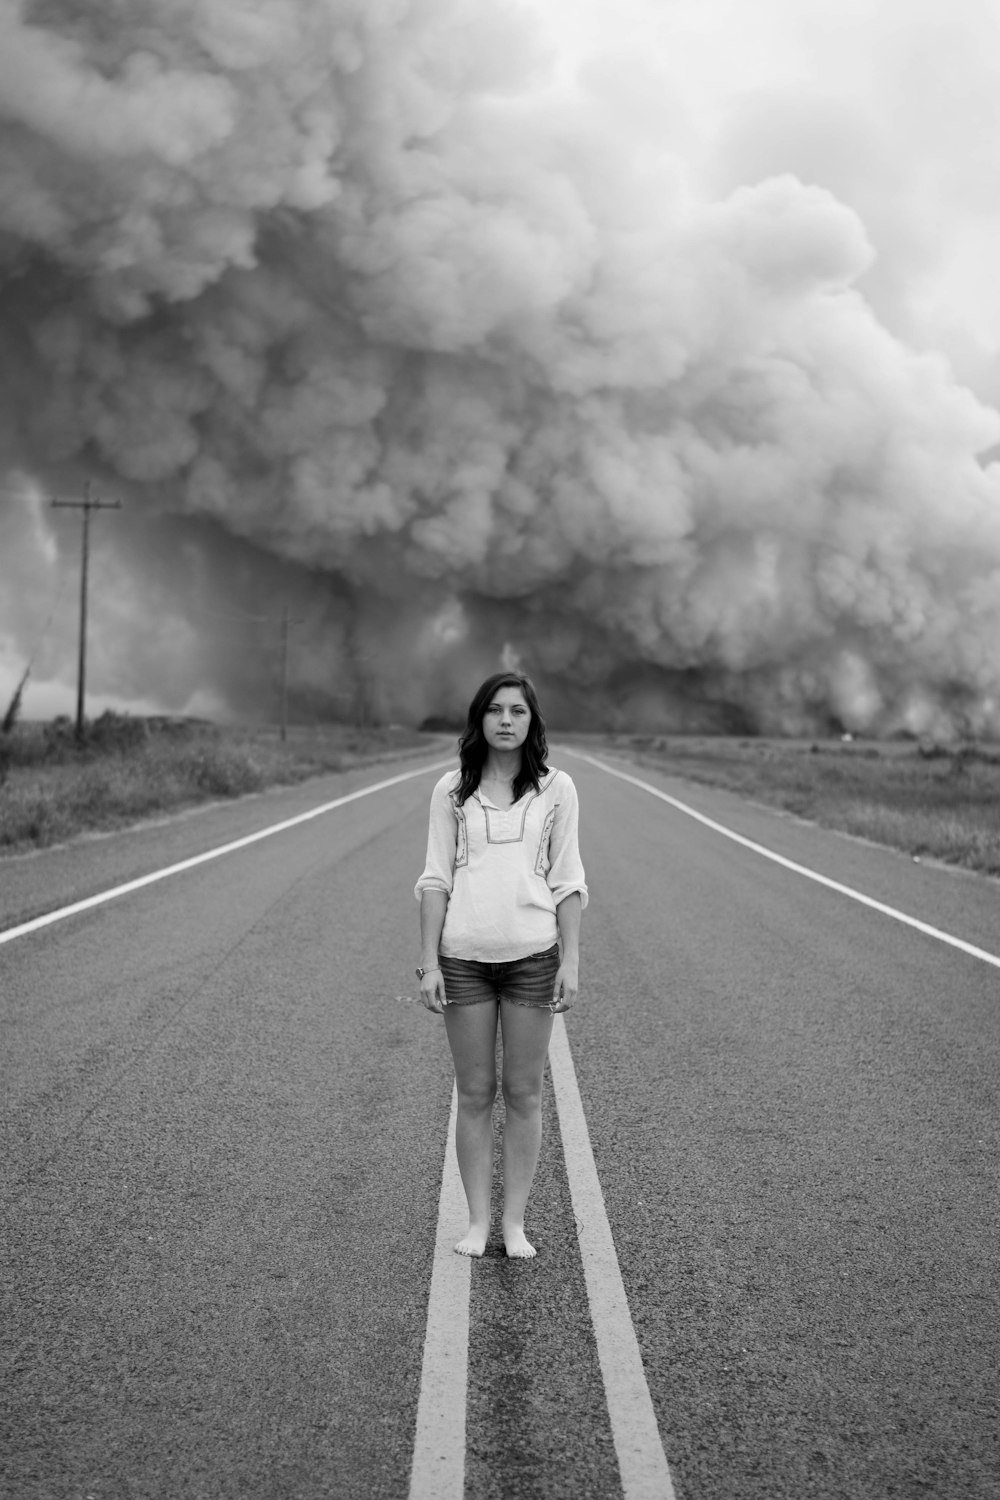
(130, 769)
(931, 801)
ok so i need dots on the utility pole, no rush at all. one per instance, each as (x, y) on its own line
(286, 621)
(87, 504)
(284, 672)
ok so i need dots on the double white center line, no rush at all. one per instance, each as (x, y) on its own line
(438, 1471)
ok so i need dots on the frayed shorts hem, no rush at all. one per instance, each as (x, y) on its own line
(526, 981)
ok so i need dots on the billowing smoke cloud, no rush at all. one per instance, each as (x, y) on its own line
(356, 314)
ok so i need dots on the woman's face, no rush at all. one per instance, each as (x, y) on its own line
(506, 720)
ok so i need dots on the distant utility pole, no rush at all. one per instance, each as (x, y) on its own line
(286, 621)
(284, 672)
(87, 504)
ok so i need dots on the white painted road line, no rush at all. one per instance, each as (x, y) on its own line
(438, 1471)
(642, 1463)
(36, 923)
(789, 864)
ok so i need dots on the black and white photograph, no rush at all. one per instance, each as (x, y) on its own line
(499, 750)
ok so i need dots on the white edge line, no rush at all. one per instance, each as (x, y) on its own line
(10, 933)
(789, 864)
(642, 1463)
(438, 1471)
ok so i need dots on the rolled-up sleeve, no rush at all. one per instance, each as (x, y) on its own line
(442, 841)
(565, 873)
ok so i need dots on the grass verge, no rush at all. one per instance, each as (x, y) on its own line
(927, 801)
(130, 769)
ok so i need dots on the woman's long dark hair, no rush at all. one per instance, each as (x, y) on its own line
(473, 749)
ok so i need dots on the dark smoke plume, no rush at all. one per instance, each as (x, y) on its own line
(356, 315)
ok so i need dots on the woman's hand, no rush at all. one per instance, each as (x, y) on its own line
(566, 985)
(432, 991)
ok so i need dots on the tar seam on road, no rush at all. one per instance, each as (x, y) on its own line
(789, 864)
(642, 1463)
(438, 1471)
(199, 859)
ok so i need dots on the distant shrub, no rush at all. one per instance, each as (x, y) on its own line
(165, 727)
(220, 771)
(58, 737)
(931, 750)
(115, 733)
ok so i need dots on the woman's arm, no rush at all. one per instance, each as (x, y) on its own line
(433, 905)
(568, 914)
(566, 873)
(433, 890)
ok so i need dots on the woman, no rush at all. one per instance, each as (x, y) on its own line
(500, 902)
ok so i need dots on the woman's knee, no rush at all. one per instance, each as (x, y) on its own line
(476, 1095)
(521, 1095)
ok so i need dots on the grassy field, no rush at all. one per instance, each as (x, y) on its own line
(130, 769)
(928, 801)
(934, 802)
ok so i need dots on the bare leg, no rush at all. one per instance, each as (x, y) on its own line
(472, 1035)
(526, 1033)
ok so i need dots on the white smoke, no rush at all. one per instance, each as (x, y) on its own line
(354, 308)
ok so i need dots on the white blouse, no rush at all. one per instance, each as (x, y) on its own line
(505, 870)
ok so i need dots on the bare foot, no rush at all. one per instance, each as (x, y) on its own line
(518, 1247)
(474, 1243)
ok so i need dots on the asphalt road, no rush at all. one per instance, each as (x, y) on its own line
(223, 1136)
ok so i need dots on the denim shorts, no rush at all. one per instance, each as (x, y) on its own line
(521, 981)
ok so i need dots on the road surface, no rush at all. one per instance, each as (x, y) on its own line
(224, 1129)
